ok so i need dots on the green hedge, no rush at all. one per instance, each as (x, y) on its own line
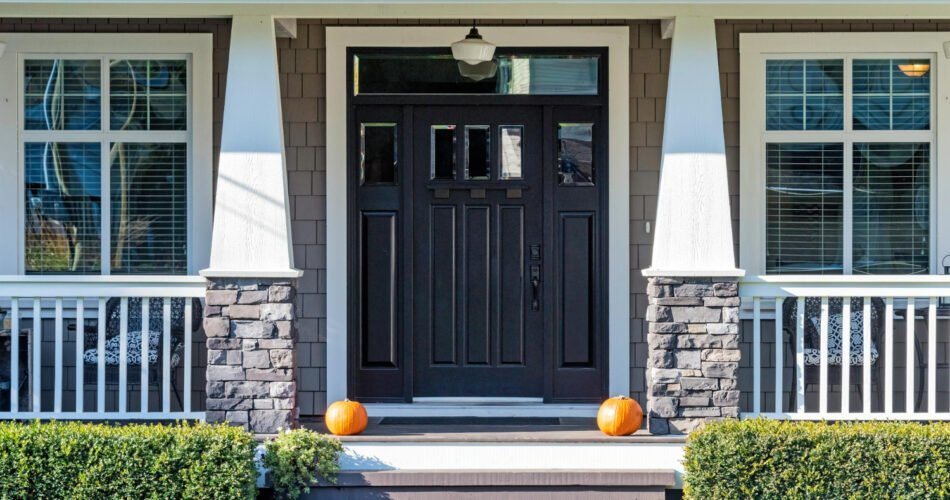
(74, 460)
(299, 458)
(774, 459)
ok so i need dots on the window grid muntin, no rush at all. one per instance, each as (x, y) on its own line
(848, 137)
(104, 136)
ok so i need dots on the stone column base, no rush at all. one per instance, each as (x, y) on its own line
(249, 324)
(693, 336)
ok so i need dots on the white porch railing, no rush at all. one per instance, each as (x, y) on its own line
(901, 373)
(78, 366)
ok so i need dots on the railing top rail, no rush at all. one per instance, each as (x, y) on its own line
(845, 286)
(101, 286)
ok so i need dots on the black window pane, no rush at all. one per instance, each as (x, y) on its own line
(436, 72)
(378, 153)
(891, 94)
(804, 94)
(891, 208)
(804, 208)
(477, 152)
(575, 154)
(443, 152)
(148, 95)
(63, 207)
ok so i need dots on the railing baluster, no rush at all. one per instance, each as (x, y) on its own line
(779, 354)
(15, 355)
(889, 355)
(845, 355)
(58, 358)
(101, 358)
(866, 365)
(823, 358)
(911, 337)
(80, 336)
(166, 355)
(143, 360)
(36, 369)
(186, 366)
(932, 356)
(756, 356)
(800, 356)
(123, 355)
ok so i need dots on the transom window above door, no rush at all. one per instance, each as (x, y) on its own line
(512, 72)
(104, 152)
(846, 151)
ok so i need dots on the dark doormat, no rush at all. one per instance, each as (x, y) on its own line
(470, 421)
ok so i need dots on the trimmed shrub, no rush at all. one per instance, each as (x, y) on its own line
(297, 459)
(77, 460)
(775, 459)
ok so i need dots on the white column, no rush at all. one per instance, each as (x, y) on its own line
(693, 222)
(251, 235)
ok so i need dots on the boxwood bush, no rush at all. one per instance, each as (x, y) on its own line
(76, 460)
(298, 459)
(774, 459)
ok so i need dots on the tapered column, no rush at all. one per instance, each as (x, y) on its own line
(249, 313)
(693, 314)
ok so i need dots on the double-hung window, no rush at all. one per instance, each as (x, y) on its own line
(840, 162)
(107, 144)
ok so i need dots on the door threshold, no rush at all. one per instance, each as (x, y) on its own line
(477, 400)
(497, 409)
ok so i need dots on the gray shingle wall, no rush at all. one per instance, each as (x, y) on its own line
(303, 85)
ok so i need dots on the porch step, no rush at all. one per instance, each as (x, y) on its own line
(501, 421)
(646, 484)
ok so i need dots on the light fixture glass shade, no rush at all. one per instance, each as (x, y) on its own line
(478, 72)
(914, 69)
(473, 49)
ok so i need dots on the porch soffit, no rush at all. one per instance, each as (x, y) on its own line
(484, 9)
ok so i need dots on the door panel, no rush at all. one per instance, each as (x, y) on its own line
(477, 225)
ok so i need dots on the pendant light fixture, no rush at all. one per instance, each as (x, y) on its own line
(914, 70)
(473, 49)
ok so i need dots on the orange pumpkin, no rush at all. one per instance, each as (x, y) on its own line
(345, 418)
(619, 416)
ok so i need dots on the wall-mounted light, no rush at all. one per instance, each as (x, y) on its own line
(914, 69)
(473, 49)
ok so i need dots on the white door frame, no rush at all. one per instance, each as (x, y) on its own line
(615, 38)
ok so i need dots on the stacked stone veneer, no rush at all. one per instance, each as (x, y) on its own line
(693, 337)
(250, 337)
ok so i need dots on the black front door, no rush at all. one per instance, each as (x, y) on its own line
(478, 303)
(477, 229)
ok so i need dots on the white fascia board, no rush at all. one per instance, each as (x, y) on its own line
(483, 9)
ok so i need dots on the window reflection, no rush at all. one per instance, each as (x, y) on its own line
(511, 137)
(575, 154)
(63, 207)
(61, 94)
(438, 73)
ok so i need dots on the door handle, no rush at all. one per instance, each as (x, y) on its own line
(535, 287)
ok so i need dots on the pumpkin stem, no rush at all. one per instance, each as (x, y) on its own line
(621, 396)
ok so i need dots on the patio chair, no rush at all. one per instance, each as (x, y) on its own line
(835, 342)
(134, 353)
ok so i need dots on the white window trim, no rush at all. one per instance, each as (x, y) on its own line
(196, 48)
(615, 38)
(756, 48)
